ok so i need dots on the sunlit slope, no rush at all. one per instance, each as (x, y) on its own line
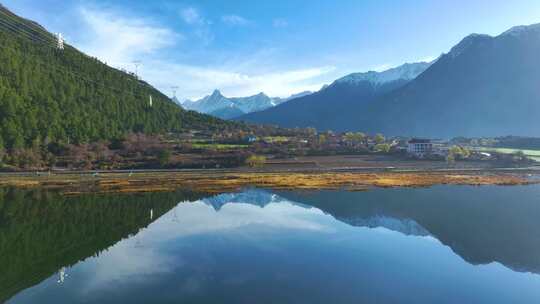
(67, 96)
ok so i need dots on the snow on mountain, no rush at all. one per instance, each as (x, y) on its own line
(229, 107)
(255, 197)
(278, 100)
(408, 71)
(402, 225)
(522, 29)
(473, 39)
(467, 42)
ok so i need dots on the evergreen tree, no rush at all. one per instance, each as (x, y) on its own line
(67, 96)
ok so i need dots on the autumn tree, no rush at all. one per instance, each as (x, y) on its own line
(379, 138)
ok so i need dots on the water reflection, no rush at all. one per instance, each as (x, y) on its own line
(42, 232)
(481, 224)
(382, 246)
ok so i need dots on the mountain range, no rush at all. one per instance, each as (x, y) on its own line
(484, 86)
(231, 107)
(325, 108)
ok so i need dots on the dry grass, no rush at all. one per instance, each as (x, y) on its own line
(224, 182)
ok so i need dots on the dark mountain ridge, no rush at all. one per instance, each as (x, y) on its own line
(350, 94)
(485, 86)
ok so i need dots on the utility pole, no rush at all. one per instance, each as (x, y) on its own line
(59, 42)
(137, 63)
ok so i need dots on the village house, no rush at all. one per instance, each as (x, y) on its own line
(419, 147)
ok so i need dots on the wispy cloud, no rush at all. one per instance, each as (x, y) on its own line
(201, 26)
(279, 22)
(118, 39)
(196, 81)
(235, 20)
(192, 16)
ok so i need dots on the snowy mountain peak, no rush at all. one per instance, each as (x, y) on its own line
(408, 71)
(472, 39)
(468, 42)
(229, 107)
(522, 29)
(216, 93)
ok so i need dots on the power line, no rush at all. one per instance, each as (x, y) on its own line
(16, 30)
(18, 21)
(120, 91)
(49, 44)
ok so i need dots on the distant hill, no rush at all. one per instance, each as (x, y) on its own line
(350, 94)
(485, 86)
(231, 107)
(66, 96)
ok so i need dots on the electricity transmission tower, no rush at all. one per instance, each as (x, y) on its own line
(174, 89)
(137, 63)
(59, 42)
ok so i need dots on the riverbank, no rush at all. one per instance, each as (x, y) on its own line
(217, 181)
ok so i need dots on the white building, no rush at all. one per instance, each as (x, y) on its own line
(419, 147)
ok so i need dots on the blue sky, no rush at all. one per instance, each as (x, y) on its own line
(278, 47)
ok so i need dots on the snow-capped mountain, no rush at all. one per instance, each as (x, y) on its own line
(484, 86)
(230, 107)
(255, 197)
(522, 29)
(293, 96)
(407, 71)
(350, 94)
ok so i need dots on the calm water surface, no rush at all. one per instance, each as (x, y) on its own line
(447, 244)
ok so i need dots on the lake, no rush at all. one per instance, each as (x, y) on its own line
(444, 244)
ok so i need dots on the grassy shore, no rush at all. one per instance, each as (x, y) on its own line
(224, 181)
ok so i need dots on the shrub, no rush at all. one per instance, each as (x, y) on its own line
(164, 157)
(256, 161)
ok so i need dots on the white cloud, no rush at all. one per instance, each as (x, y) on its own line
(118, 40)
(201, 25)
(235, 20)
(280, 23)
(196, 218)
(197, 81)
(192, 16)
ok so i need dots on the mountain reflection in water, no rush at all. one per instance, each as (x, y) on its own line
(385, 245)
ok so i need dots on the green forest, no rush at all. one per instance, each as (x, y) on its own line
(64, 96)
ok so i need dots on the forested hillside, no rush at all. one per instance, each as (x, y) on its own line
(52, 95)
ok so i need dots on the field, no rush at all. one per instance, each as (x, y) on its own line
(533, 154)
(208, 146)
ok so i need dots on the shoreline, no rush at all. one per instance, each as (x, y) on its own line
(217, 181)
